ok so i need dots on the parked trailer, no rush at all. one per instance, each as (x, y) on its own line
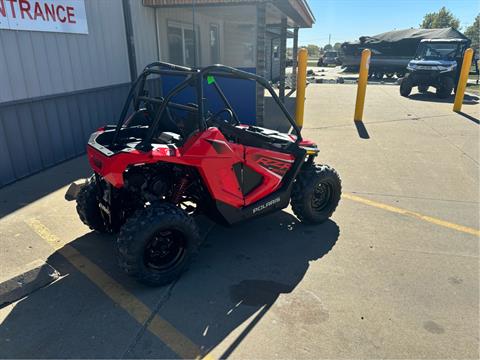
(380, 66)
(391, 51)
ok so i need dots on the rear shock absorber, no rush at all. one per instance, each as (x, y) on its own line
(180, 190)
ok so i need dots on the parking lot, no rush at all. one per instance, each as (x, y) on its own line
(394, 273)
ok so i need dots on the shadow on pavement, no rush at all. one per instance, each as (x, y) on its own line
(362, 130)
(238, 275)
(429, 96)
(36, 186)
(469, 117)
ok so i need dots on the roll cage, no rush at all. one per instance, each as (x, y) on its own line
(193, 77)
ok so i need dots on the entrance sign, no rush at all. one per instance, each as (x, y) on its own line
(66, 16)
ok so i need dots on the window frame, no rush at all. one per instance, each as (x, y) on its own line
(182, 26)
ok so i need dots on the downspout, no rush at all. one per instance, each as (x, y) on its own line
(127, 15)
(194, 35)
(283, 56)
(260, 60)
(295, 55)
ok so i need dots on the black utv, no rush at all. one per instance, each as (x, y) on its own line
(437, 63)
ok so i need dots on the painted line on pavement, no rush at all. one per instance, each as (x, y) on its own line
(430, 219)
(161, 328)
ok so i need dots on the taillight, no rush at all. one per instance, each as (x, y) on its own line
(97, 163)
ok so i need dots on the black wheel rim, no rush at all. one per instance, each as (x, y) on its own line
(322, 195)
(164, 250)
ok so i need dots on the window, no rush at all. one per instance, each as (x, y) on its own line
(181, 44)
(434, 50)
(214, 44)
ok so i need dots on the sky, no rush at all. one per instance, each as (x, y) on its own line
(346, 20)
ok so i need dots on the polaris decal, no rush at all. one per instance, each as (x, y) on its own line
(264, 206)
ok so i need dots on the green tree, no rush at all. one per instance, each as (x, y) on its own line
(313, 50)
(441, 19)
(328, 47)
(337, 46)
(473, 33)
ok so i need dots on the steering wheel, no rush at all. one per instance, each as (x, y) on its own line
(215, 118)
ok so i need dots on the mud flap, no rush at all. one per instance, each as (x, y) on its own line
(74, 189)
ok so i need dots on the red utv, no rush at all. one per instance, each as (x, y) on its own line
(165, 162)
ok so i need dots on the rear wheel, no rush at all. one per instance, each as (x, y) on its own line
(400, 74)
(406, 86)
(156, 243)
(87, 207)
(444, 90)
(423, 88)
(316, 193)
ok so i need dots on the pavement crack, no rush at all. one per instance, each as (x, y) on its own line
(147, 323)
(366, 122)
(439, 134)
(449, 142)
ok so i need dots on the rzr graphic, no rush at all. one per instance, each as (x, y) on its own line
(165, 162)
(279, 167)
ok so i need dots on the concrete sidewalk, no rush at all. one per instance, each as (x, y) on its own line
(394, 274)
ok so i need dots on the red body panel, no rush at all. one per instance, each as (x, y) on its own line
(272, 165)
(213, 156)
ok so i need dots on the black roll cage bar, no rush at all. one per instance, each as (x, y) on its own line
(195, 77)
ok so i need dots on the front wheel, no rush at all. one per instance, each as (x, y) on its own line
(406, 86)
(445, 88)
(316, 193)
(156, 243)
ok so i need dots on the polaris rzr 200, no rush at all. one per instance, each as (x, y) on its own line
(437, 63)
(165, 162)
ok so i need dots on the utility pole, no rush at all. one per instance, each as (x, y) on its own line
(329, 38)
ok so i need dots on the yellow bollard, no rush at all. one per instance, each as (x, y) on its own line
(301, 85)
(462, 80)
(362, 85)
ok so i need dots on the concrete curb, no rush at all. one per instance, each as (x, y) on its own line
(39, 274)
